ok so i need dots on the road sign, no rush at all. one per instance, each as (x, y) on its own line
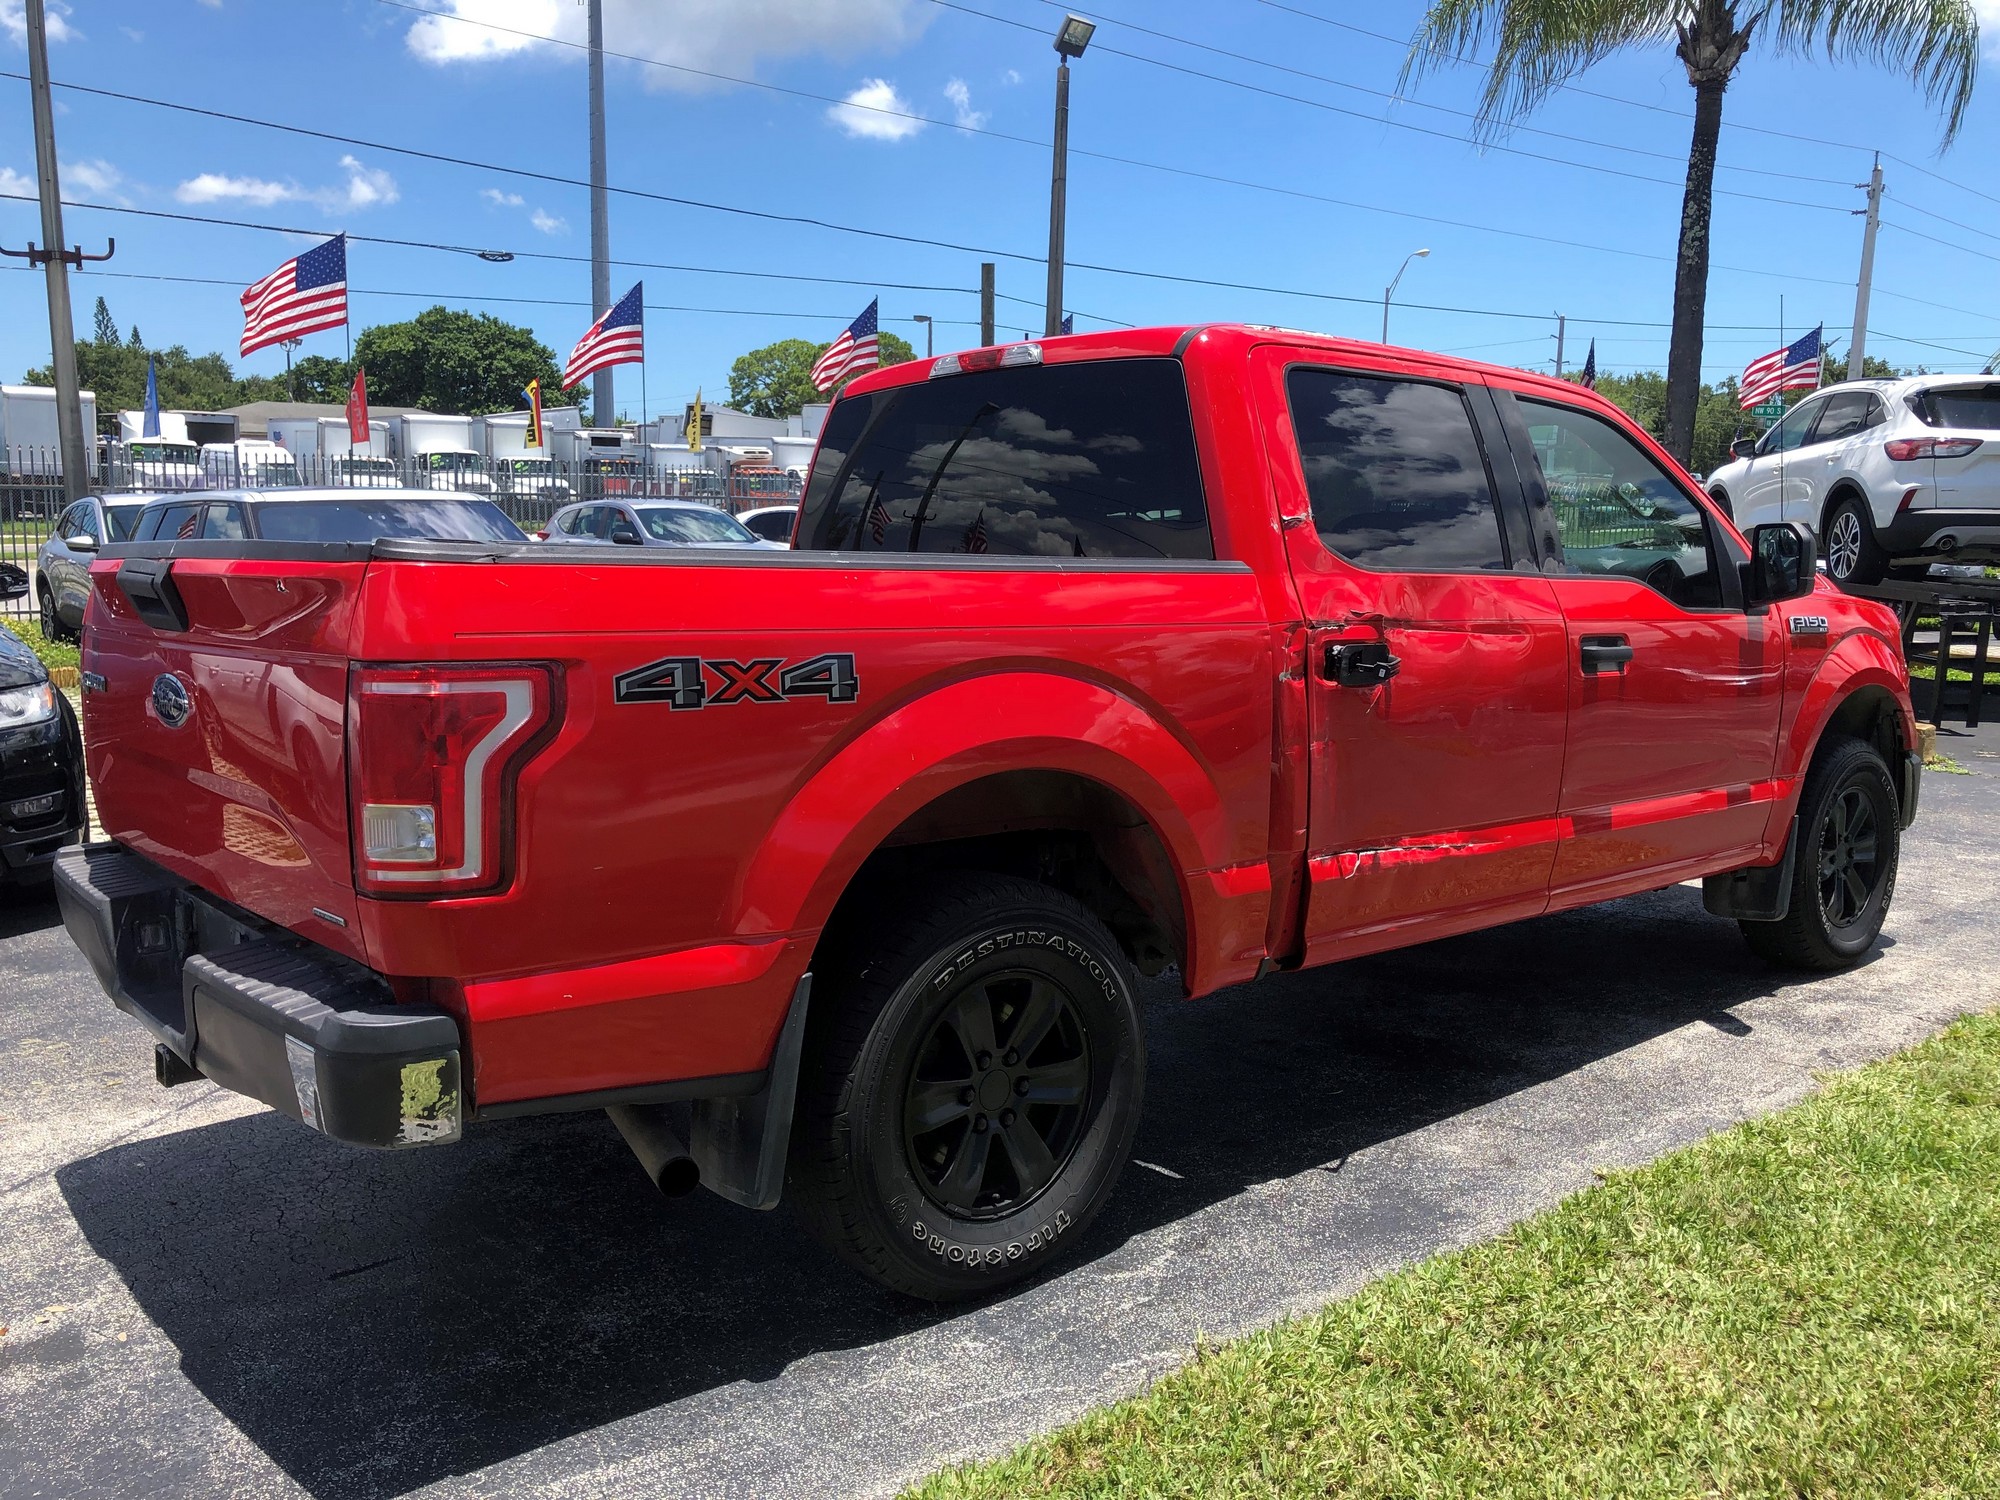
(1770, 411)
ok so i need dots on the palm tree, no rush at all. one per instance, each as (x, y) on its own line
(1539, 45)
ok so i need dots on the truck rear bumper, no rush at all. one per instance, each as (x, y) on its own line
(260, 1011)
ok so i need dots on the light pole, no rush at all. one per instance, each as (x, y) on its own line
(602, 400)
(925, 319)
(1390, 290)
(1071, 38)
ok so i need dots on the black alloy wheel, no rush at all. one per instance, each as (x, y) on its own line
(997, 1095)
(974, 1069)
(1849, 863)
(1849, 835)
(51, 623)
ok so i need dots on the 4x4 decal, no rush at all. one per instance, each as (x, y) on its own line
(697, 682)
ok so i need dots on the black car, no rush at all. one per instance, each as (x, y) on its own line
(41, 757)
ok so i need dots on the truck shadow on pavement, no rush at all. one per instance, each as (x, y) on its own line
(377, 1322)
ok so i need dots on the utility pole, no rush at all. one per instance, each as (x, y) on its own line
(603, 410)
(1858, 345)
(62, 331)
(985, 303)
(1073, 36)
(1562, 332)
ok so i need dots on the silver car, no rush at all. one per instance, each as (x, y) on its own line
(653, 523)
(62, 567)
(774, 523)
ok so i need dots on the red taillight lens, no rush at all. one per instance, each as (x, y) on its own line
(432, 757)
(1903, 450)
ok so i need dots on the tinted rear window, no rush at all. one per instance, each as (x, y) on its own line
(1083, 460)
(693, 526)
(1976, 407)
(367, 521)
(120, 518)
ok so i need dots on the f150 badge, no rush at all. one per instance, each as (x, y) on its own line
(1809, 625)
(704, 682)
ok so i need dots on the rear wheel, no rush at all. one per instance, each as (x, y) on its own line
(1853, 555)
(971, 1091)
(1721, 499)
(53, 628)
(1844, 870)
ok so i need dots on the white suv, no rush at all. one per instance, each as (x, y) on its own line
(1885, 473)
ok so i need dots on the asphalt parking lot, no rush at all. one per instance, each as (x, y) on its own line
(202, 1297)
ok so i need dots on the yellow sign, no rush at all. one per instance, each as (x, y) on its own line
(694, 423)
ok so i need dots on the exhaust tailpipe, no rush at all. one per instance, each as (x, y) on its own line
(659, 1147)
(1947, 544)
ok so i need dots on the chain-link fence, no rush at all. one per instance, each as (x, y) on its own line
(529, 489)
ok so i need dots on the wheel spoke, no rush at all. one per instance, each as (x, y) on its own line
(1037, 1017)
(972, 1021)
(1838, 825)
(1864, 849)
(1857, 889)
(1059, 1083)
(965, 1175)
(934, 1104)
(1033, 1166)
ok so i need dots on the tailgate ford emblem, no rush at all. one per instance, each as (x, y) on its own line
(171, 701)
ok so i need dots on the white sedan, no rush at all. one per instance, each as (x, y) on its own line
(1886, 474)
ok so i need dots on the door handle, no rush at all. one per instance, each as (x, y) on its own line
(1604, 653)
(1361, 664)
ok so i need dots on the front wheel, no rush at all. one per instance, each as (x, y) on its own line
(1844, 869)
(1853, 555)
(51, 622)
(972, 1088)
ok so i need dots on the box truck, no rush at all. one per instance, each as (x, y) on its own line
(434, 450)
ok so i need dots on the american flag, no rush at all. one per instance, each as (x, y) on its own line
(1793, 368)
(878, 519)
(1068, 324)
(305, 295)
(1589, 381)
(617, 338)
(854, 351)
(975, 534)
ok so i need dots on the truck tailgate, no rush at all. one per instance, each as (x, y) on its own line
(214, 723)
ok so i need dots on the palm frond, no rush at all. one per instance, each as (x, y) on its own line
(1538, 45)
(1937, 41)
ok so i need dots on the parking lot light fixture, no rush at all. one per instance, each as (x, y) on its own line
(925, 319)
(1390, 290)
(1071, 38)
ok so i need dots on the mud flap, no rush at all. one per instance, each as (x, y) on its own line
(1762, 893)
(739, 1142)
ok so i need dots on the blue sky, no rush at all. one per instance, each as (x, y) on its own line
(1580, 218)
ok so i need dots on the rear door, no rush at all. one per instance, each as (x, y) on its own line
(1434, 792)
(215, 743)
(1967, 476)
(1674, 690)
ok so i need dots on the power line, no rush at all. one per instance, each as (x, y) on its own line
(1948, 244)
(1321, 104)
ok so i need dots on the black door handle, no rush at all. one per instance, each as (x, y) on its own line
(1604, 653)
(1361, 663)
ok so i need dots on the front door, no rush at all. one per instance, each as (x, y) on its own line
(1779, 486)
(1674, 690)
(1433, 791)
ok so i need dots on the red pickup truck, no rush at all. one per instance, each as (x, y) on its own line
(829, 874)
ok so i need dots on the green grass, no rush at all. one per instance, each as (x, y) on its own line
(52, 653)
(1804, 1306)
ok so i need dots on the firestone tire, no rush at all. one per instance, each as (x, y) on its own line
(1844, 873)
(971, 1089)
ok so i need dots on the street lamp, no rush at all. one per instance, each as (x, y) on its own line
(1071, 38)
(1390, 290)
(925, 319)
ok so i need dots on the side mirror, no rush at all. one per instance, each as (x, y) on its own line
(1780, 566)
(625, 536)
(13, 581)
(1744, 447)
(83, 541)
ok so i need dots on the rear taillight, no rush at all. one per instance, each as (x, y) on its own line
(433, 754)
(1903, 450)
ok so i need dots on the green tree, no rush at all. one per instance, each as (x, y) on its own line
(776, 380)
(115, 374)
(135, 340)
(453, 361)
(104, 326)
(1540, 45)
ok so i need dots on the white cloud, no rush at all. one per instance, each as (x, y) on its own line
(14, 21)
(501, 200)
(1989, 26)
(1011, 77)
(211, 4)
(133, 33)
(967, 118)
(729, 36)
(877, 112)
(366, 187)
(548, 223)
(94, 176)
(13, 182)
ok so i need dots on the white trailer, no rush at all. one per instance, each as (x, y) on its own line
(28, 437)
(435, 450)
(327, 453)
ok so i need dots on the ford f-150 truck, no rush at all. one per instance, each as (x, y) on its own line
(829, 872)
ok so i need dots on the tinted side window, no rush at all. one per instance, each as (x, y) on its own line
(224, 524)
(1791, 429)
(175, 523)
(1617, 510)
(1973, 407)
(1845, 414)
(1395, 472)
(66, 522)
(1085, 460)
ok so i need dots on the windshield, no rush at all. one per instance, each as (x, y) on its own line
(364, 466)
(610, 466)
(452, 460)
(699, 527)
(369, 520)
(534, 466)
(155, 453)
